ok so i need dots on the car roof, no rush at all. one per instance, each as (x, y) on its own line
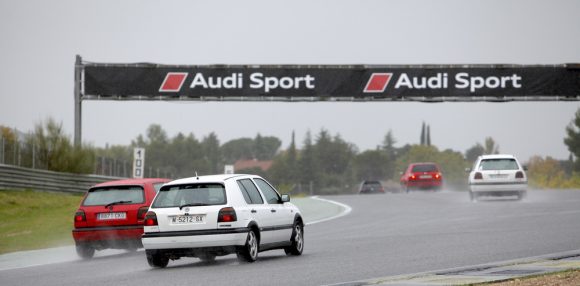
(498, 156)
(209, 179)
(129, 182)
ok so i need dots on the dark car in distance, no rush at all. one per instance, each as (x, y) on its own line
(111, 215)
(422, 176)
(371, 187)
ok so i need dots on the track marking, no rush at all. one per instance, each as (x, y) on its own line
(346, 210)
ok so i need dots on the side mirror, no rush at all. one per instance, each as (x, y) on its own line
(285, 198)
(467, 170)
(525, 168)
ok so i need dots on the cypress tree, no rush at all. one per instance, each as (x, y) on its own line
(423, 134)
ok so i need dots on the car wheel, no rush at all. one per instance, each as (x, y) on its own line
(521, 195)
(85, 251)
(249, 252)
(156, 259)
(297, 240)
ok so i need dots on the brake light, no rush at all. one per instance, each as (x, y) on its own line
(519, 175)
(412, 177)
(150, 219)
(478, 176)
(142, 212)
(227, 215)
(437, 176)
(80, 216)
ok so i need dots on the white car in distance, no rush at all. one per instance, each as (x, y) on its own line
(497, 175)
(209, 216)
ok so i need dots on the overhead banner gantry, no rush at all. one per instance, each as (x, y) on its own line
(426, 83)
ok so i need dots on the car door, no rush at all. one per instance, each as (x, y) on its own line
(282, 216)
(260, 211)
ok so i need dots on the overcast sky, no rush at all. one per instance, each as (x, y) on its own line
(39, 41)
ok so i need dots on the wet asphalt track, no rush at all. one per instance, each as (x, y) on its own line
(383, 235)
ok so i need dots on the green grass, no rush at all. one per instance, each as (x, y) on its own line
(34, 220)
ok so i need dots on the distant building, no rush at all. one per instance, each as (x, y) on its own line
(251, 164)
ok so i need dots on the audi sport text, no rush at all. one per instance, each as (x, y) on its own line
(257, 81)
(462, 80)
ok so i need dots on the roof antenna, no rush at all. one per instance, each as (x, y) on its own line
(196, 175)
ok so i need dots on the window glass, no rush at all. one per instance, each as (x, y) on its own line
(498, 164)
(157, 186)
(424, 168)
(195, 194)
(271, 195)
(252, 191)
(244, 193)
(107, 195)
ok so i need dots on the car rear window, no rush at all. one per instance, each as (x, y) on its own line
(157, 186)
(498, 164)
(424, 168)
(193, 194)
(371, 184)
(106, 195)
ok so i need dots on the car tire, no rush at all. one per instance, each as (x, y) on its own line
(85, 251)
(156, 259)
(521, 195)
(249, 252)
(297, 240)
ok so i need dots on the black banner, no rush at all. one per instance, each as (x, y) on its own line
(327, 82)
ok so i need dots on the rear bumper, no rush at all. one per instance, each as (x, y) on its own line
(424, 184)
(498, 188)
(110, 233)
(195, 239)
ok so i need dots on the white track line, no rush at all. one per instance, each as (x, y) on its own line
(346, 210)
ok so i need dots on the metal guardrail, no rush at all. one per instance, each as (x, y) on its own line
(12, 177)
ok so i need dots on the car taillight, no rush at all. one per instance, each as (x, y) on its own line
(142, 212)
(80, 216)
(227, 215)
(478, 176)
(519, 175)
(150, 219)
(412, 177)
(437, 176)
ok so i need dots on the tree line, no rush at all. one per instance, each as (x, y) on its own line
(323, 163)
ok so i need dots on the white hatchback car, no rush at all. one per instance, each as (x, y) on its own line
(217, 215)
(497, 175)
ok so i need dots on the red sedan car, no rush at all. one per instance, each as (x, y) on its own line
(111, 215)
(422, 176)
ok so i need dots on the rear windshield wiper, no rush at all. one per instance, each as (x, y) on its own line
(192, 205)
(117, 203)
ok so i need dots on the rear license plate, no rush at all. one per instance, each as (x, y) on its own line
(187, 219)
(425, 177)
(107, 216)
(498, 176)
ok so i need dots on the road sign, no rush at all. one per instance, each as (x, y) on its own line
(138, 162)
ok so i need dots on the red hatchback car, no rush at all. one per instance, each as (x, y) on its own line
(422, 176)
(111, 215)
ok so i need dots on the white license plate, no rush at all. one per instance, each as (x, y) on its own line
(498, 176)
(425, 176)
(187, 219)
(107, 216)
